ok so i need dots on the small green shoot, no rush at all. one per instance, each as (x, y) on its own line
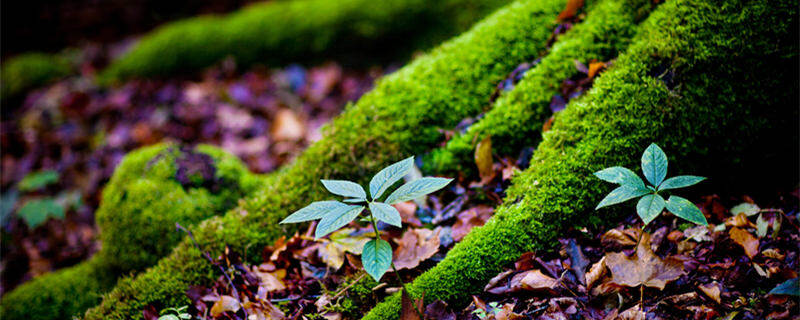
(175, 314)
(651, 203)
(376, 255)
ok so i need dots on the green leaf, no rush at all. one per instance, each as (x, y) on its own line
(376, 258)
(789, 287)
(313, 211)
(649, 207)
(37, 211)
(385, 213)
(686, 209)
(354, 200)
(388, 176)
(654, 164)
(761, 226)
(621, 194)
(336, 219)
(680, 182)
(169, 317)
(7, 202)
(417, 188)
(37, 180)
(622, 176)
(748, 209)
(345, 188)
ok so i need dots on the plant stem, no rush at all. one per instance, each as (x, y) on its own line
(396, 273)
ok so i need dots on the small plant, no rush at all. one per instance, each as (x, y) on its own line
(175, 314)
(654, 167)
(376, 255)
(493, 309)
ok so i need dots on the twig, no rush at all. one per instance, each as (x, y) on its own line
(208, 257)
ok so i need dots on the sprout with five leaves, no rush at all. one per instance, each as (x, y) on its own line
(377, 253)
(654, 167)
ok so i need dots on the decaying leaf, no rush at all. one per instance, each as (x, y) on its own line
(697, 233)
(474, 217)
(618, 238)
(739, 220)
(712, 290)
(344, 240)
(535, 280)
(415, 246)
(743, 238)
(634, 313)
(408, 306)
(483, 159)
(287, 126)
(224, 304)
(595, 67)
(571, 9)
(643, 268)
(597, 271)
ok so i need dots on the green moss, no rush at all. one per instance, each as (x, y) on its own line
(141, 204)
(696, 82)
(399, 117)
(517, 117)
(281, 32)
(29, 70)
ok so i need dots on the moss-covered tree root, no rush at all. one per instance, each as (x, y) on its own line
(30, 70)
(516, 118)
(401, 116)
(280, 32)
(696, 82)
(151, 190)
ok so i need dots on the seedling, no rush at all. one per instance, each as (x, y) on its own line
(376, 255)
(175, 314)
(651, 204)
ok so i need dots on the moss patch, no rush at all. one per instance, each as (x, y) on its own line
(281, 32)
(30, 70)
(670, 88)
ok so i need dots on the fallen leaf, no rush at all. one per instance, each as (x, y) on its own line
(507, 313)
(712, 290)
(643, 268)
(473, 217)
(535, 280)
(341, 241)
(571, 9)
(415, 246)
(408, 306)
(773, 253)
(483, 159)
(287, 126)
(746, 240)
(438, 310)
(739, 220)
(748, 209)
(224, 304)
(408, 210)
(617, 238)
(594, 68)
(634, 313)
(597, 271)
(578, 260)
(697, 233)
(789, 287)
(271, 281)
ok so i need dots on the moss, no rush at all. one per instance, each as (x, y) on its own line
(29, 70)
(516, 118)
(137, 216)
(283, 32)
(399, 117)
(696, 82)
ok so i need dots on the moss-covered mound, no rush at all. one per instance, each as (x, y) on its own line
(152, 189)
(400, 116)
(280, 32)
(670, 88)
(30, 70)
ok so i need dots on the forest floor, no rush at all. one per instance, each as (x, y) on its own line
(62, 144)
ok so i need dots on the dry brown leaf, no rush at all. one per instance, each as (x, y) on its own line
(473, 217)
(616, 237)
(773, 253)
(341, 241)
(270, 280)
(408, 210)
(748, 242)
(507, 313)
(548, 124)
(643, 268)
(597, 271)
(739, 220)
(595, 67)
(415, 246)
(224, 304)
(534, 280)
(483, 159)
(407, 306)
(711, 290)
(571, 9)
(634, 313)
(287, 126)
